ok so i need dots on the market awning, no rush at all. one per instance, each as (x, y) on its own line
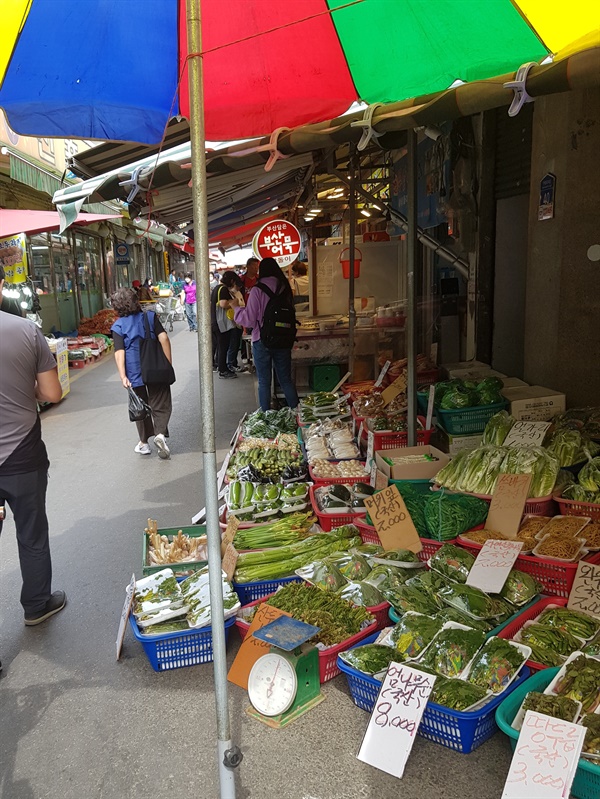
(13, 221)
(280, 64)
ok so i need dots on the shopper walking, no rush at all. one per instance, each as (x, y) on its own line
(28, 375)
(235, 340)
(270, 313)
(188, 298)
(221, 300)
(128, 331)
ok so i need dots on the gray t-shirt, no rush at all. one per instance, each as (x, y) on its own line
(24, 353)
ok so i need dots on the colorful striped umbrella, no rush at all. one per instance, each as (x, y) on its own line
(115, 69)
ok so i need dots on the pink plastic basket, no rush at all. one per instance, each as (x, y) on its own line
(570, 507)
(528, 615)
(329, 521)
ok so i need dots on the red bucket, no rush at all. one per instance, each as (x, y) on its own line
(345, 262)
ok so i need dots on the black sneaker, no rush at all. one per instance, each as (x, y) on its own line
(227, 375)
(55, 604)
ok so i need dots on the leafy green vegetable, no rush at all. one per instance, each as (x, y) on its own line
(593, 646)
(400, 556)
(497, 429)
(589, 476)
(559, 707)
(456, 694)
(451, 651)
(469, 600)
(370, 658)
(581, 682)
(361, 594)
(452, 614)
(413, 633)
(322, 574)
(591, 744)
(520, 587)
(553, 638)
(449, 515)
(453, 562)
(495, 665)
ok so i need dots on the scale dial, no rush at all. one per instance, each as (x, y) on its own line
(272, 685)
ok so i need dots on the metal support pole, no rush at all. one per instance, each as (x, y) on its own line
(412, 283)
(351, 241)
(228, 756)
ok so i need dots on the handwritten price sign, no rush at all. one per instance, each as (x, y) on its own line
(395, 719)
(526, 434)
(585, 594)
(392, 520)
(545, 758)
(508, 504)
(495, 560)
(252, 648)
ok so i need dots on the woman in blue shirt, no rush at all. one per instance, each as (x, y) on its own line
(127, 332)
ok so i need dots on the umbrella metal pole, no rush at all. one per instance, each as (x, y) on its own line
(411, 287)
(351, 241)
(228, 756)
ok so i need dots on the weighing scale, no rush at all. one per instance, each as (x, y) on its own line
(285, 683)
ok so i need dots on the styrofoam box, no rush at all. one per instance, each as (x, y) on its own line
(456, 444)
(471, 370)
(535, 403)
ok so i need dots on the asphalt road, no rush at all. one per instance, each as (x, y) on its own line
(75, 723)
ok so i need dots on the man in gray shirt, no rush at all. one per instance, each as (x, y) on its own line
(27, 374)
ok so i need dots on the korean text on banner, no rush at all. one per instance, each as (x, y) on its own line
(545, 759)
(395, 719)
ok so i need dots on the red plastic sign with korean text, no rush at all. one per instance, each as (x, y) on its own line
(280, 240)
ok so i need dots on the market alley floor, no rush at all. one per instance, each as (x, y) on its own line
(74, 722)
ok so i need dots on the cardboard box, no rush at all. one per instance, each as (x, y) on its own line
(470, 370)
(535, 403)
(513, 382)
(454, 444)
(418, 471)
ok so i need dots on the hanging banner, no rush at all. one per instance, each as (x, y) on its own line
(13, 257)
(279, 240)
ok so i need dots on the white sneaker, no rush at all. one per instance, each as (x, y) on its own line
(163, 450)
(142, 449)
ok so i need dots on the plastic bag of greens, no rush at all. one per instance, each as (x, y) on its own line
(520, 588)
(430, 583)
(497, 429)
(383, 578)
(589, 476)
(552, 638)
(574, 621)
(400, 556)
(453, 562)
(413, 633)
(457, 398)
(452, 650)
(370, 658)
(591, 744)
(496, 665)
(368, 550)
(456, 694)
(452, 614)
(323, 575)
(491, 383)
(442, 388)
(356, 568)
(545, 473)
(361, 594)
(449, 515)
(469, 600)
(406, 598)
(593, 646)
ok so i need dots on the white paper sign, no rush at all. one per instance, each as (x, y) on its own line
(585, 593)
(545, 759)
(430, 407)
(383, 373)
(370, 447)
(526, 434)
(395, 719)
(495, 560)
(125, 614)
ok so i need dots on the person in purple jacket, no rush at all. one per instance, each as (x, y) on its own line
(188, 298)
(266, 359)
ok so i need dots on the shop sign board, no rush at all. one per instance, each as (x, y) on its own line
(280, 240)
(122, 253)
(13, 257)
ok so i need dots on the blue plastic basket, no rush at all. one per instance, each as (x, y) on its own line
(468, 421)
(176, 650)
(396, 618)
(586, 784)
(249, 592)
(462, 732)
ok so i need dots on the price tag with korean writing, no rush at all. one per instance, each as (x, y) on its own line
(229, 561)
(232, 527)
(495, 560)
(526, 434)
(370, 447)
(585, 594)
(545, 759)
(395, 388)
(361, 427)
(395, 718)
(508, 504)
(392, 520)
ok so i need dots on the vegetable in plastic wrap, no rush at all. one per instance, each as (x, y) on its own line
(406, 598)
(520, 588)
(469, 600)
(456, 694)
(457, 398)
(356, 568)
(545, 472)
(453, 562)
(495, 665)
(362, 594)
(400, 556)
(591, 743)
(581, 682)
(589, 476)
(451, 651)
(430, 583)
(370, 658)
(385, 577)
(573, 621)
(552, 638)
(450, 474)
(413, 633)
(324, 575)
(449, 515)
(593, 646)
(559, 707)
(577, 493)
(452, 614)
(497, 429)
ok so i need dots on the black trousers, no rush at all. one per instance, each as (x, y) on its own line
(223, 340)
(25, 494)
(158, 397)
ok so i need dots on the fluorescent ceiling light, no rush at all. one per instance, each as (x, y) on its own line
(377, 206)
(364, 212)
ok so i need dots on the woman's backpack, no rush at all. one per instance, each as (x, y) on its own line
(278, 327)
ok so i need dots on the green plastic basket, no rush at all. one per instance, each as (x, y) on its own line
(179, 568)
(586, 784)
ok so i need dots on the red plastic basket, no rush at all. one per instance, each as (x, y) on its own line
(428, 377)
(369, 536)
(328, 667)
(320, 481)
(557, 578)
(570, 507)
(358, 388)
(535, 506)
(394, 440)
(329, 521)
(528, 615)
